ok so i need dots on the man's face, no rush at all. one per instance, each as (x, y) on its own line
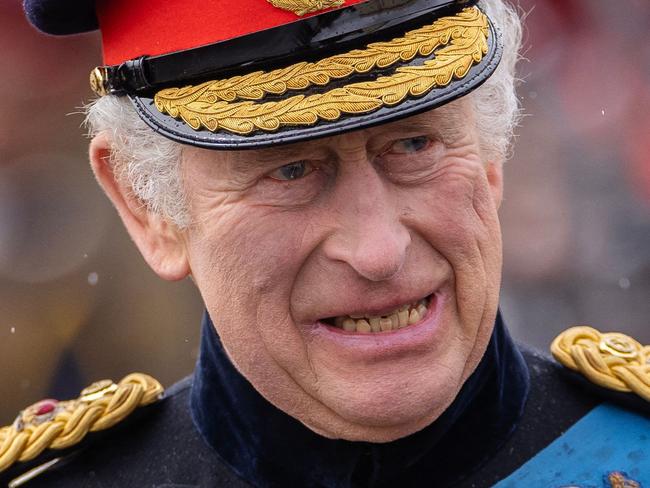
(299, 250)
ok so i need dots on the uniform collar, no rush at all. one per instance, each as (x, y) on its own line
(267, 447)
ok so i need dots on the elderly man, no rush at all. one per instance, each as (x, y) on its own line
(329, 174)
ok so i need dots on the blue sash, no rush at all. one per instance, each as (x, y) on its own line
(608, 448)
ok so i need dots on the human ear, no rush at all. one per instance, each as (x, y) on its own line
(494, 171)
(160, 242)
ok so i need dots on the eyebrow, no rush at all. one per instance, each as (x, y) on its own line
(262, 158)
(445, 122)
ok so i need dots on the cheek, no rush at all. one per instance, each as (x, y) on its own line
(247, 248)
(245, 262)
(460, 221)
(457, 212)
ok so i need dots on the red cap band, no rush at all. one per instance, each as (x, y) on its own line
(133, 28)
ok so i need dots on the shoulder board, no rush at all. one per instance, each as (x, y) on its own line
(615, 365)
(50, 425)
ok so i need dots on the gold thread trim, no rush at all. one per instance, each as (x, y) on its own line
(461, 39)
(302, 7)
(299, 76)
(620, 480)
(66, 423)
(612, 360)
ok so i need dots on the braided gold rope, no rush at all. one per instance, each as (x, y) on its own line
(209, 105)
(100, 406)
(611, 360)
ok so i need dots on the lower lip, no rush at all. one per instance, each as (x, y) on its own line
(383, 345)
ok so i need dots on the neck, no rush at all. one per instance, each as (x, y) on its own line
(265, 446)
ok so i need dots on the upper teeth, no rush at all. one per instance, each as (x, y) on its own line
(398, 318)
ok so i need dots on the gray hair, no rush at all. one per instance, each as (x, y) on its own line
(150, 164)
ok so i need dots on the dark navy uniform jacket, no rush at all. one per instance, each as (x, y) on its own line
(517, 422)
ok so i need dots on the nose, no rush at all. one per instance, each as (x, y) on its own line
(369, 236)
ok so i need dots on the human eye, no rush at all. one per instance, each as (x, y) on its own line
(410, 145)
(292, 171)
(410, 160)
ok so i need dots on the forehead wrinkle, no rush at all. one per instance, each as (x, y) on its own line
(455, 120)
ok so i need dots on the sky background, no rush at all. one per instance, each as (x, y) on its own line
(78, 303)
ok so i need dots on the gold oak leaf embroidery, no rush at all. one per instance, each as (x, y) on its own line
(459, 43)
(302, 7)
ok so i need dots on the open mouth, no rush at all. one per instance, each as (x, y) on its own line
(403, 316)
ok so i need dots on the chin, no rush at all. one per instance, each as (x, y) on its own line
(383, 411)
(357, 431)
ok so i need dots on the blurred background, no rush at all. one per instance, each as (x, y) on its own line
(77, 302)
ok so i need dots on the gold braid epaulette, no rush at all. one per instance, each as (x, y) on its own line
(61, 424)
(611, 360)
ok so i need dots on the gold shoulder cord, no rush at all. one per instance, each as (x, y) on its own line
(458, 42)
(611, 360)
(58, 425)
